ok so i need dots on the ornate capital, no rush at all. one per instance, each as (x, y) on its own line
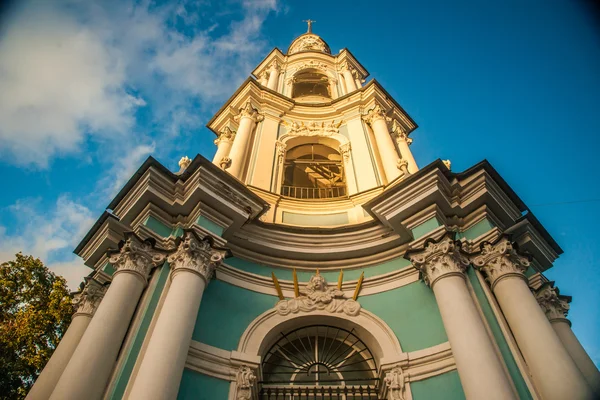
(136, 256)
(248, 111)
(500, 261)
(345, 151)
(275, 66)
(244, 380)
(403, 166)
(394, 383)
(554, 305)
(226, 135)
(400, 133)
(375, 114)
(195, 255)
(86, 302)
(438, 260)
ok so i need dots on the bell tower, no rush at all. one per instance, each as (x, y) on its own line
(309, 135)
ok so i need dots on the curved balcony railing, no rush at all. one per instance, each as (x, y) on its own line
(368, 392)
(313, 193)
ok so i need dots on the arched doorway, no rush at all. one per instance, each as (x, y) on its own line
(318, 362)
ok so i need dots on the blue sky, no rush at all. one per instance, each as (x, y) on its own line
(90, 88)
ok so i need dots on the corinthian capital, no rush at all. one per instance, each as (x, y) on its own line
(136, 256)
(248, 111)
(345, 150)
(195, 255)
(439, 259)
(554, 305)
(86, 302)
(394, 383)
(226, 135)
(500, 261)
(374, 114)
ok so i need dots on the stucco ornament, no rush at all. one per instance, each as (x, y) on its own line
(374, 114)
(313, 128)
(195, 255)
(309, 42)
(136, 256)
(439, 259)
(345, 151)
(394, 381)
(500, 260)
(403, 166)
(280, 151)
(184, 162)
(245, 381)
(318, 296)
(226, 135)
(248, 111)
(554, 305)
(86, 302)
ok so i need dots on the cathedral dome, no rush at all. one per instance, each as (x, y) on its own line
(308, 42)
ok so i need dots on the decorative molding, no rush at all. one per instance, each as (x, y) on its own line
(87, 301)
(394, 384)
(280, 151)
(439, 259)
(218, 363)
(312, 64)
(345, 151)
(318, 296)
(136, 256)
(248, 111)
(555, 306)
(308, 43)
(195, 255)
(312, 128)
(244, 380)
(500, 261)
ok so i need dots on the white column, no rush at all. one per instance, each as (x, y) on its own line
(88, 371)
(348, 168)
(348, 78)
(247, 118)
(556, 308)
(223, 142)
(389, 158)
(442, 266)
(160, 372)
(264, 78)
(404, 142)
(273, 76)
(85, 305)
(553, 370)
(278, 174)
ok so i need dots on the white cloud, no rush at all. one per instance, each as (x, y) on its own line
(50, 236)
(125, 167)
(75, 70)
(58, 82)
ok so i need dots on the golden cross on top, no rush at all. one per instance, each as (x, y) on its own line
(309, 22)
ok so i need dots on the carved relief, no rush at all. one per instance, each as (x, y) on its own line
(394, 382)
(312, 128)
(312, 64)
(318, 296)
(280, 150)
(309, 42)
(400, 133)
(225, 162)
(499, 261)
(554, 305)
(403, 166)
(86, 302)
(345, 151)
(244, 380)
(136, 256)
(440, 259)
(195, 255)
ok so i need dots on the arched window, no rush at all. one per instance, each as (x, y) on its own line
(320, 361)
(313, 171)
(309, 83)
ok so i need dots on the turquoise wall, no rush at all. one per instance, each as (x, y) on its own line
(507, 355)
(425, 227)
(197, 386)
(132, 352)
(476, 230)
(230, 309)
(331, 276)
(411, 312)
(441, 387)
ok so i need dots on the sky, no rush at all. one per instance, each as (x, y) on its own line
(91, 88)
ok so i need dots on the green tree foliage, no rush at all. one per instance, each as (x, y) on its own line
(35, 311)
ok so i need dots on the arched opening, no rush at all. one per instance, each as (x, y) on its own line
(313, 171)
(311, 83)
(319, 361)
